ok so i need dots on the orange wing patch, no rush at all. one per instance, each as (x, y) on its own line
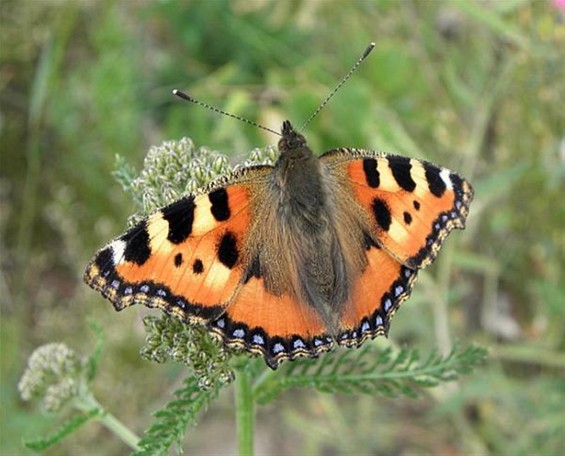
(376, 295)
(278, 327)
(413, 204)
(187, 258)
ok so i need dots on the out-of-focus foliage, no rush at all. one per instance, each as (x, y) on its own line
(474, 85)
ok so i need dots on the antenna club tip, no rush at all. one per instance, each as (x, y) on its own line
(370, 47)
(182, 95)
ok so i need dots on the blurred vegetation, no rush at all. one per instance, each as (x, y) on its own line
(477, 86)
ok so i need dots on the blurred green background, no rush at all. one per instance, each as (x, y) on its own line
(477, 86)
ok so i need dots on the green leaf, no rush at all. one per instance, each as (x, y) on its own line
(372, 371)
(171, 422)
(67, 428)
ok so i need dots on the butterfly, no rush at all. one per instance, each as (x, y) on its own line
(290, 260)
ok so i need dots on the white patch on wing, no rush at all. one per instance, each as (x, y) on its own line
(445, 177)
(118, 248)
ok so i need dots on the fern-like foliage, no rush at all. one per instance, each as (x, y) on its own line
(65, 429)
(372, 371)
(171, 422)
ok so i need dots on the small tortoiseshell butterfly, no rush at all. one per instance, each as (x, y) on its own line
(288, 260)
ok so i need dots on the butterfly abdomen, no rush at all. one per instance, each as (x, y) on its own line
(308, 243)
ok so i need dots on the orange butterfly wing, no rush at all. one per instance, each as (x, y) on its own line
(411, 206)
(277, 327)
(375, 297)
(191, 259)
(188, 258)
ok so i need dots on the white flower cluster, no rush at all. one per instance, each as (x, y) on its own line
(54, 374)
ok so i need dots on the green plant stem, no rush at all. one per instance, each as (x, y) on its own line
(119, 429)
(244, 412)
(86, 402)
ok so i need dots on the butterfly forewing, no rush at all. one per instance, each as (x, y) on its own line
(412, 204)
(186, 258)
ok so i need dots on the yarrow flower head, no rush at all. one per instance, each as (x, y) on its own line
(169, 338)
(54, 374)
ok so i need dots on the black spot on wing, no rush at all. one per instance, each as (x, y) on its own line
(416, 205)
(178, 260)
(435, 182)
(371, 172)
(180, 216)
(220, 206)
(198, 266)
(104, 259)
(457, 182)
(407, 218)
(400, 167)
(137, 248)
(382, 213)
(227, 250)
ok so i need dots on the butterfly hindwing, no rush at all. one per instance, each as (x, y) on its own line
(376, 295)
(277, 327)
(412, 204)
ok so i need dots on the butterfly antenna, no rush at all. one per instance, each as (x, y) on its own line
(186, 97)
(365, 54)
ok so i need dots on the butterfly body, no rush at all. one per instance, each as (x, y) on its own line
(287, 260)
